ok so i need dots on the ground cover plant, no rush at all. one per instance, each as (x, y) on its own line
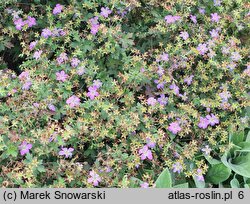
(128, 94)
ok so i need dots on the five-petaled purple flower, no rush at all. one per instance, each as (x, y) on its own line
(94, 25)
(215, 17)
(105, 12)
(74, 62)
(151, 101)
(92, 92)
(145, 152)
(37, 54)
(184, 35)
(58, 9)
(165, 57)
(52, 107)
(67, 152)
(171, 19)
(27, 85)
(73, 101)
(174, 127)
(97, 83)
(163, 100)
(25, 148)
(94, 178)
(61, 76)
(202, 48)
(177, 167)
(203, 123)
(212, 119)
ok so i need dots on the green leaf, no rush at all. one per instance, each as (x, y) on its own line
(211, 160)
(237, 137)
(182, 185)
(239, 165)
(218, 173)
(234, 183)
(41, 168)
(245, 147)
(248, 137)
(164, 180)
(12, 150)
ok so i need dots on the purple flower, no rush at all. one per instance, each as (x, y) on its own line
(97, 83)
(36, 105)
(94, 25)
(171, 19)
(217, 2)
(52, 107)
(160, 71)
(94, 178)
(164, 57)
(201, 10)
(92, 92)
(215, 17)
(62, 58)
(27, 85)
(46, 33)
(151, 101)
(32, 45)
(203, 123)
(19, 23)
(177, 167)
(199, 175)
(94, 29)
(67, 152)
(214, 33)
(81, 70)
(184, 35)
(58, 9)
(150, 143)
(145, 153)
(174, 127)
(25, 148)
(37, 54)
(73, 101)
(31, 21)
(24, 75)
(105, 12)
(175, 88)
(74, 62)
(235, 56)
(144, 185)
(61, 76)
(212, 119)
(163, 100)
(188, 80)
(202, 48)
(225, 95)
(206, 150)
(193, 18)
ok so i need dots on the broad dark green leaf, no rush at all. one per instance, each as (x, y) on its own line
(218, 173)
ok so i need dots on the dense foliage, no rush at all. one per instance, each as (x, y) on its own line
(136, 93)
